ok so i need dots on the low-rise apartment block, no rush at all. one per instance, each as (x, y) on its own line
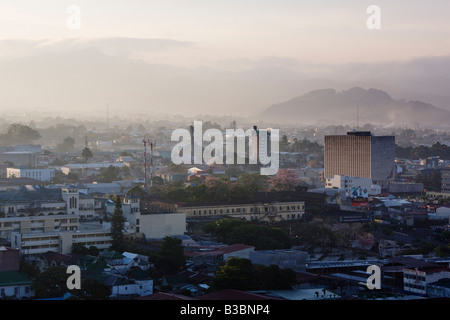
(273, 211)
(417, 280)
(45, 175)
(33, 244)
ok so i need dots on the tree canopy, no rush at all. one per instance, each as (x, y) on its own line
(17, 133)
(117, 226)
(241, 274)
(262, 237)
(170, 258)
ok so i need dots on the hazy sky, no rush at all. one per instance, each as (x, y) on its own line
(208, 31)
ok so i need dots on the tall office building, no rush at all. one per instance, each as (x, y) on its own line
(445, 180)
(360, 154)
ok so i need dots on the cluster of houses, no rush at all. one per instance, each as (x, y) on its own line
(124, 273)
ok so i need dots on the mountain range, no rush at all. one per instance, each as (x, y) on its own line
(355, 106)
(85, 81)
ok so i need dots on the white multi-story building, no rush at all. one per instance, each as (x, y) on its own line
(416, 280)
(45, 175)
(32, 244)
(38, 224)
(34, 209)
(354, 186)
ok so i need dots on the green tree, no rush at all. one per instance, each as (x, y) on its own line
(313, 235)
(284, 144)
(237, 273)
(109, 174)
(117, 226)
(274, 278)
(431, 181)
(170, 258)
(19, 133)
(67, 145)
(92, 290)
(86, 154)
(51, 283)
(262, 237)
(241, 274)
(253, 182)
(81, 249)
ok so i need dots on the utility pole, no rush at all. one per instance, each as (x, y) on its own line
(148, 141)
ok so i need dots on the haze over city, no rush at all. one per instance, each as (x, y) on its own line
(270, 150)
(216, 57)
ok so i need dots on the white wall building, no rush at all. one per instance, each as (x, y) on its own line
(442, 213)
(38, 243)
(15, 284)
(121, 287)
(45, 175)
(352, 184)
(159, 225)
(417, 280)
(87, 169)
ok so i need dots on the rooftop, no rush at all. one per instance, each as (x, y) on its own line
(232, 294)
(10, 278)
(31, 193)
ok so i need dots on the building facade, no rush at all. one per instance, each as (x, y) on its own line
(417, 280)
(445, 180)
(34, 244)
(45, 175)
(350, 184)
(270, 211)
(360, 154)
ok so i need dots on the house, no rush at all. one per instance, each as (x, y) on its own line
(213, 255)
(124, 287)
(185, 280)
(9, 259)
(53, 259)
(134, 260)
(287, 258)
(113, 259)
(41, 174)
(122, 263)
(15, 284)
